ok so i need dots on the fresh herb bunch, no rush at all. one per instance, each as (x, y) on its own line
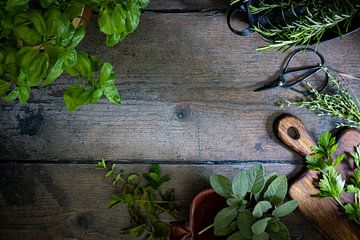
(339, 104)
(305, 21)
(145, 200)
(331, 182)
(255, 205)
(39, 39)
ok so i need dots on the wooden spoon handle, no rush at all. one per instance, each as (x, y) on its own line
(293, 133)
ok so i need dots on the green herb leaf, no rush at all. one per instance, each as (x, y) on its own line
(16, 5)
(262, 236)
(282, 232)
(221, 185)
(11, 96)
(260, 226)
(78, 36)
(224, 218)
(46, 3)
(38, 21)
(244, 222)
(237, 236)
(261, 208)
(75, 96)
(240, 184)
(25, 56)
(30, 36)
(256, 178)
(54, 72)
(4, 87)
(38, 68)
(276, 191)
(105, 21)
(285, 208)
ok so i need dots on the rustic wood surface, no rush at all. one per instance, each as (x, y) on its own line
(186, 83)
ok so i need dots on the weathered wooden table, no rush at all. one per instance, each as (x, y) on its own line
(186, 84)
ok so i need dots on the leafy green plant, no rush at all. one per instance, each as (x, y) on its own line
(339, 104)
(39, 39)
(145, 200)
(255, 205)
(304, 21)
(331, 182)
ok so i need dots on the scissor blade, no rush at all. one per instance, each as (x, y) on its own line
(268, 86)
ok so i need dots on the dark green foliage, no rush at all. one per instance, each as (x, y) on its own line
(331, 183)
(255, 204)
(144, 199)
(38, 42)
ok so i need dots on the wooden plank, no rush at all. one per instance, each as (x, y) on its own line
(186, 83)
(187, 5)
(68, 201)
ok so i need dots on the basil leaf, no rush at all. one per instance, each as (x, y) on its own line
(244, 222)
(105, 21)
(132, 17)
(221, 185)
(276, 191)
(111, 93)
(2, 70)
(261, 208)
(2, 56)
(113, 39)
(54, 72)
(21, 18)
(256, 179)
(30, 36)
(70, 57)
(143, 3)
(285, 209)
(56, 24)
(259, 227)
(118, 18)
(66, 38)
(38, 21)
(4, 87)
(105, 72)
(38, 68)
(84, 65)
(240, 184)
(12, 95)
(24, 94)
(25, 56)
(16, 5)
(224, 218)
(95, 96)
(75, 96)
(74, 9)
(78, 36)
(10, 54)
(46, 3)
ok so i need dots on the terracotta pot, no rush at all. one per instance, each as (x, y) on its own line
(203, 210)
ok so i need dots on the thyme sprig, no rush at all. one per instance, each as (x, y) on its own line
(339, 104)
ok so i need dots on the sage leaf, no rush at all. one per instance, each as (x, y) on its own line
(240, 184)
(276, 191)
(268, 180)
(285, 208)
(256, 178)
(221, 185)
(244, 222)
(225, 217)
(262, 236)
(237, 236)
(261, 208)
(281, 234)
(260, 226)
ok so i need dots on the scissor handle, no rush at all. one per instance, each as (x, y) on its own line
(238, 8)
(311, 70)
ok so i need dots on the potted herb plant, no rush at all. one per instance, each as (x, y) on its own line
(38, 43)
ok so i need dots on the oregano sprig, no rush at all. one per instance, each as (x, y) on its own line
(145, 200)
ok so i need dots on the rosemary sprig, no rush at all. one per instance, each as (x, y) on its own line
(318, 18)
(339, 104)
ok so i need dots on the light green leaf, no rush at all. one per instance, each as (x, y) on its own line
(56, 24)
(75, 96)
(12, 95)
(261, 208)
(143, 3)
(4, 87)
(113, 39)
(105, 73)
(38, 69)
(69, 57)
(244, 222)
(132, 177)
(24, 94)
(105, 21)
(30, 36)
(221, 185)
(78, 36)
(25, 56)
(256, 178)
(54, 72)
(38, 21)
(225, 217)
(260, 226)
(118, 19)
(132, 17)
(276, 191)
(240, 184)
(74, 9)
(285, 208)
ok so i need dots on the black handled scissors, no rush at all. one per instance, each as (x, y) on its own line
(306, 72)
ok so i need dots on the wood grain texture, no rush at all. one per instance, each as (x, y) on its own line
(323, 213)
(68, 201)
(186, 84)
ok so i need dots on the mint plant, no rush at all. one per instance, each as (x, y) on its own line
(145, 200)
(39, 40)
(255, 205)
(331, 183)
